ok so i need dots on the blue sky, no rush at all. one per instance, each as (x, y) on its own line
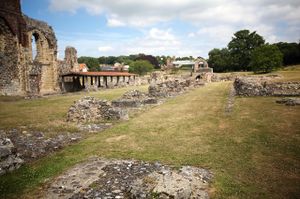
(162, 27)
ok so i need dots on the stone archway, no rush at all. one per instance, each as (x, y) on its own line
(39, 43)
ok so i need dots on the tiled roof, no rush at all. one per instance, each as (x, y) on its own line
(105, 73)
(82, 66)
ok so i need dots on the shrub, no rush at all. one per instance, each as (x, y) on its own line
(141, 67)
(266, 58)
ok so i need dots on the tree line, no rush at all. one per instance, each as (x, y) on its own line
(140, 63)
(248, 51)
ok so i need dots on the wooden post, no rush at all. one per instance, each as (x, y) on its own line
(99, 82)
(105, 79)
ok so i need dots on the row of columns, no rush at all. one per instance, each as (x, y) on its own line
(105, 79)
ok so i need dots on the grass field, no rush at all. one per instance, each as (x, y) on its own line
(253, 152)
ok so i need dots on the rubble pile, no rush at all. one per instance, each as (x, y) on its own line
(90, 109)
(9, 158)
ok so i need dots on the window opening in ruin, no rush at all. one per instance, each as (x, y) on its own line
(34, 40)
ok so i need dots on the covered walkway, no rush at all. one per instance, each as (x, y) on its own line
(75, 81)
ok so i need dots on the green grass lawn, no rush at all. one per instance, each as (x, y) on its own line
(48, 113)
(253, 152)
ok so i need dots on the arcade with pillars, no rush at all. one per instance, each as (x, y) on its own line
(76, 81)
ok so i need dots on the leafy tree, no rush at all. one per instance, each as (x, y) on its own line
(91, 62)
(290, 51)
(102, 60)
(162, 60)
(184, 58)
(266, 58)
(219, 60)
(111, 60)
(140, 67)
(241, 47)
(149, 58)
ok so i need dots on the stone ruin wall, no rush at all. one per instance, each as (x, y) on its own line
(264, 86)
(20, 72)
(44, 66)
(9, 82)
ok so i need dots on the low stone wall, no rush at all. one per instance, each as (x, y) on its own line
(9, 158)
(90, 109)
(133, 99)
(289, 101)
(263, 86)
(169, 88)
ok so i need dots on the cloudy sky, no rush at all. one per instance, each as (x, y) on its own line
(162, 27)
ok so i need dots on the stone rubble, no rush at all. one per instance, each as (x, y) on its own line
(94, 127)
(30, 145)
(90, 109)
(134, 99)
(289, 101)
(263, 86)
(9, 158)
(172, 88)
(100, 178)
(230, 101)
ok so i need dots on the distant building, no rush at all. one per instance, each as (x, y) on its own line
(116, 67)
(106, 68)
(83, 68)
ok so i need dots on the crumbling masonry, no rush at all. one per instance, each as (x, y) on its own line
(28, 54)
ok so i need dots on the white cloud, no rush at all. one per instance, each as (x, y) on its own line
(155, 41)
(191, 35)
(221, 33)
(214, 21)
(105, 48)
(113, 21)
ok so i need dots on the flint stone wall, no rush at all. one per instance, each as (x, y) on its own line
(262, 86)
(9, 158)
(134, 98)
(90, 109)
(169, 88)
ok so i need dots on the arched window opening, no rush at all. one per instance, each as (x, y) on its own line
(34, 47)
